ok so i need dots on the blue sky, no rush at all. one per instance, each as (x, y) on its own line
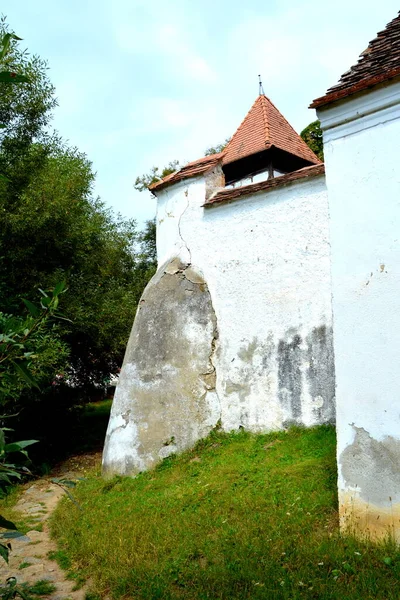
(140, 83)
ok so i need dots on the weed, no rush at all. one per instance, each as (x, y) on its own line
(65, 563)
(42, 588)
(24, 565)
(61, 558)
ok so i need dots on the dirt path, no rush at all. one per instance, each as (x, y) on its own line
(29, 560)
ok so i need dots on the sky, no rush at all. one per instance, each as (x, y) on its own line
(142, 82)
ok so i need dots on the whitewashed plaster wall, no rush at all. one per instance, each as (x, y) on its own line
(362, 157)
(266, 261)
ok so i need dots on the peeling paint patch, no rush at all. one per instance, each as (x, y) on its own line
(373, 468)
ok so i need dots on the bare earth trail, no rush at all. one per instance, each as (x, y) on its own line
(36, 503)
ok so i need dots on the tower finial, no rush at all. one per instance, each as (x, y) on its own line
(260, 86)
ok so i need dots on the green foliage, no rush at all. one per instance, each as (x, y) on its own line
(63, 233)
(147, 258)
(13, 590)
(218, 148)
(312, 136)
(156, 174)
(30, 348)
(25, 111)
(43, 587)
(143, 182)
(23, 344)
(10, 471)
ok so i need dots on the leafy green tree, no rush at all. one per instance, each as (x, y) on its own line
(25, 112)
(156, 174)
(31, 350)
(66, 234)
(53, 229)
(148, 247)
(218, 148)
(312, 135)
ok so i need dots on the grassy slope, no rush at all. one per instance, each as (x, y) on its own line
(239, 516)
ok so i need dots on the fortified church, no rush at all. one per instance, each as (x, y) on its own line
(277, 297)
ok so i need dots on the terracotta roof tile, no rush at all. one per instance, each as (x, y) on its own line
(378, 63)
(190, 170)
(265, 127)
(228, 195)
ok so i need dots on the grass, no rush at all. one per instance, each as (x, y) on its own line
(23, 522)
(8, 500)
(42, 588)
(239, 516)
(64, 561)
(12, 589)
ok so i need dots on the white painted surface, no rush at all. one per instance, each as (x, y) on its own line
(266, 260)
(263, 176)
(362, 159)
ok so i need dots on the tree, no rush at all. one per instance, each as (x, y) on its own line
(30, 348)
(62, 231)
(25, 112)
(66, 234)
(218, 148)
(155, 174)
(312, 135)
(143, 182)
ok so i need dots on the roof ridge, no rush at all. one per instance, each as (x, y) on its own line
(265, 118)
(291, 127)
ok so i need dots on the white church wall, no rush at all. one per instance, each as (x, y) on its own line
(361, 144)
(266, 261)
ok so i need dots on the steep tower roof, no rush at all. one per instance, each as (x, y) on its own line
(265, 127)
(378, 63)
(263, 139)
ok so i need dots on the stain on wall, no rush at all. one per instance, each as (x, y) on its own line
(289, 375)
(371, 473)
(277, 382)
(321, 373)
(373, 467)
(306, 369)
(165, 399)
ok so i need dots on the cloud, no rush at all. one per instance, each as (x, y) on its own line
(147, 29)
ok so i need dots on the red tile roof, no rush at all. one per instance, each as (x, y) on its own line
(190, 170)
(264, 127)
(228, 195)
(378, 63)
